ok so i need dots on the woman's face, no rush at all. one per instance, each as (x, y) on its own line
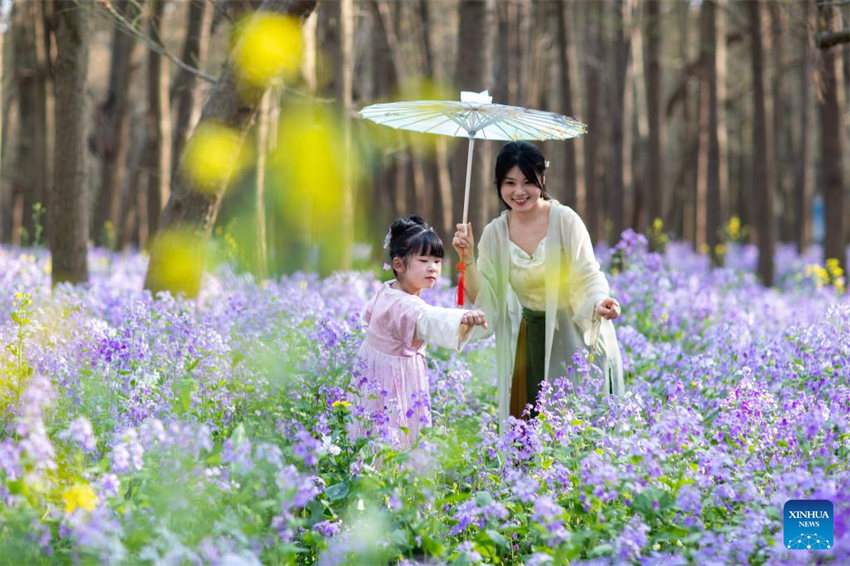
(518, 192)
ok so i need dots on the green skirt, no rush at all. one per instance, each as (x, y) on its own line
(529, 362)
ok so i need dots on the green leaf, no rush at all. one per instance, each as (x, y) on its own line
(497, 538)
(603, 549)
(337, 491)
(399, 538)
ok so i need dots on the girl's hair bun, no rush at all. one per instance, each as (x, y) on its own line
(411, 236)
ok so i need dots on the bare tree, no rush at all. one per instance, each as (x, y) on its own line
(113, 136)
(573, 180)
(710, 183)
(67, 213)
(32, 167)
(655, 169)
(189, 209)
(763, 169)
(830, 104)
(159, 149)
(804, 171)
(184, 91)
(622, 112)
(593, 64)
(474, 72)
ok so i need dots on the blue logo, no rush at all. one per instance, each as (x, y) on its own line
(808, 524)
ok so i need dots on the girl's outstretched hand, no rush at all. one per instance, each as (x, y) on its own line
(474, 318)
(465, 241)
(608, 308)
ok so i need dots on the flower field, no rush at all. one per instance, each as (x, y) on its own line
(213, 431)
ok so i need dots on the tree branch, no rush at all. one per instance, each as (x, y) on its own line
(827, 39)
(129, 28)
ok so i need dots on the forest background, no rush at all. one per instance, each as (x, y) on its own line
(708, 121)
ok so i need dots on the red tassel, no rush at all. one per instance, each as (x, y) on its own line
(461, 266)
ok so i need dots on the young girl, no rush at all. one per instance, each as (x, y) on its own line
(394, 381)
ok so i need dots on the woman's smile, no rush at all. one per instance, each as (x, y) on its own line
(518, 192)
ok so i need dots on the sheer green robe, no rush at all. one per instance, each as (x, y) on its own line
(574, 285)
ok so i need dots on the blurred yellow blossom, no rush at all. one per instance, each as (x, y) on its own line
(343, 404)
(79, 496)
(657, 237)
(267, 47)
(183, 253)
(213, 155)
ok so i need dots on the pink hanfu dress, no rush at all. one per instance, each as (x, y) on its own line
(394, 378)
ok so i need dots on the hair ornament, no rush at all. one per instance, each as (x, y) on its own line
(387, 238)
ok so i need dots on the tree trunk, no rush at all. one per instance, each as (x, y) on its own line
(830, 105)
(159, 149)
(263, 122)
(443, 206)
(714, 193)
(114, 135)
(573, 173)
(30, 181)
(680, 211)
(191, 211)
(782, 111)
(474, 72)
(706, 64)
(184, 92)
(342, 255)
(622, 112)
(655, 167)
(3, 121)
(594, 15)
(763, 169)
(804, 171)
(68, 210)
(637, 217)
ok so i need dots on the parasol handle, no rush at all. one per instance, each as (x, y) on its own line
(461, 266)
(468, 178)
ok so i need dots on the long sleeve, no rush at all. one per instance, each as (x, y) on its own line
(587, 284)
(440, 326)
(487, 298)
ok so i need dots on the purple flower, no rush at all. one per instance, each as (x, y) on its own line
(629, 545)
(108, 486)
(477, 512)
(81, 432)
(127, 454)
(10, 459)
(327, 528)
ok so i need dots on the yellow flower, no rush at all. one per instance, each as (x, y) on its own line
(81, 496)
(833, 268)
(657, 224)
(340, 404)
(734, 226)
(268, 47)
(214, 155)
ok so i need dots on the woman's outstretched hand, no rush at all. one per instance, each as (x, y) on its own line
(608, 308)
(474, 318)
(464, 243)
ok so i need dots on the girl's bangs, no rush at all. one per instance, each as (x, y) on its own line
(427, 243)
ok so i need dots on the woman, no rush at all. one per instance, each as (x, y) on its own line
(538, 282)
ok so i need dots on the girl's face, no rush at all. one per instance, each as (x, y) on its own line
(420, 272)
(518, 192)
